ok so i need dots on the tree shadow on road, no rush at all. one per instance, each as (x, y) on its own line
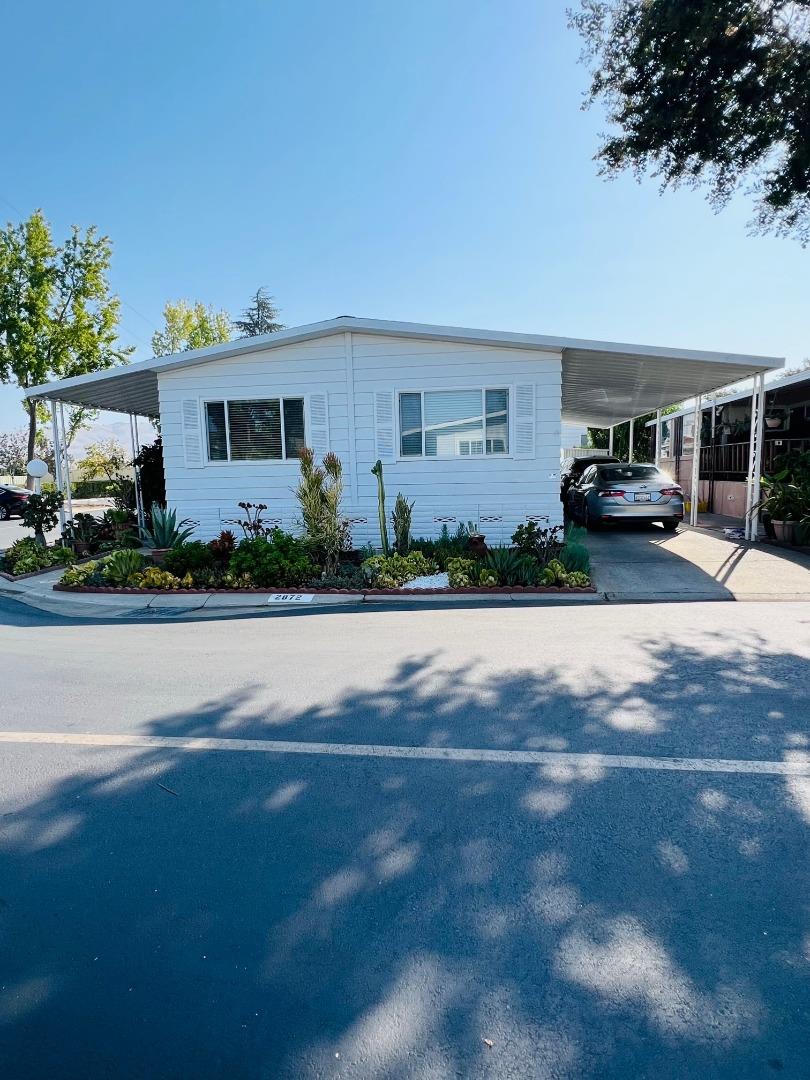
(177, 914)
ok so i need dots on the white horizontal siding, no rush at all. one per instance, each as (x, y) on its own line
(498, 493)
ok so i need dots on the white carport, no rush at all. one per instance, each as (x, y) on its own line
(603, 383)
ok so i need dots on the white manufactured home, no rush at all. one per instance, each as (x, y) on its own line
(468, 423)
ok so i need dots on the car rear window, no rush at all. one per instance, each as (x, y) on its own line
(629, 472)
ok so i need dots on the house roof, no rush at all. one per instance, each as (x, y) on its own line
(603, 382)
(787, 390)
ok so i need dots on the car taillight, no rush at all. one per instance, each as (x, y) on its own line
(610, 494)
(672, 491)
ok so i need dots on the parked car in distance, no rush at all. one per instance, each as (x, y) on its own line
(573, 467)
(624, 492)
(12, 501)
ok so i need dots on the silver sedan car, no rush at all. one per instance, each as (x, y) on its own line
(622, 492)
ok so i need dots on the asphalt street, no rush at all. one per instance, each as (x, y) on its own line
(504, 842)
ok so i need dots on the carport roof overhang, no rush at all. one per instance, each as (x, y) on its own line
(603, 382)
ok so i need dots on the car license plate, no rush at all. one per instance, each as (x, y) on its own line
(643, 496)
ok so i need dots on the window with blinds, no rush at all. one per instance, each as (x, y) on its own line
(269, 429)
(453, 423)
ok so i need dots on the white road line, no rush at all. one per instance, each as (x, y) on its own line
(797, 764)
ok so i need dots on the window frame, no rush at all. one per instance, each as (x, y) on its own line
(482, 388)
(256, 462)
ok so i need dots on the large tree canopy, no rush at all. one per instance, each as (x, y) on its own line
(57, 315)
(190, 326)
(707, 90)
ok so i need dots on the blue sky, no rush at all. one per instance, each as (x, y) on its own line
(426, 161)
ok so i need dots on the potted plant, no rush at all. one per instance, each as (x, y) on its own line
(83, 532)
(120, 522)
(786, 502)
(476, 539)
(773, 420)
(165, 532)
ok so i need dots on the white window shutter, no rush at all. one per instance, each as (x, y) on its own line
(524, 421)
(318, 433)
(384, 424)
(192, 443)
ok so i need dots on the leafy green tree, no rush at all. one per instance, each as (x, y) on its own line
(707, 90)
(190, 326)
(104, 458)
(259, 317)
(642, 442)
(57, 315)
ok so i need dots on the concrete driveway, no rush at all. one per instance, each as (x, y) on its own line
(642, 562)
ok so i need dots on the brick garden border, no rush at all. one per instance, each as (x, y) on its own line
(472, 590)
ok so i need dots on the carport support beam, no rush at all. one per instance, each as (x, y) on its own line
(610, 440)
(630, 445)
(754, 492)
(57, 462)
(695, 497)
(65, 464)
(136, 449)
(657, 437)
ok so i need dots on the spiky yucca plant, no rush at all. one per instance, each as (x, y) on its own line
(319, 493)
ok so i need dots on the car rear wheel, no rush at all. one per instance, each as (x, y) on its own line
(590, 523)
(5, 513)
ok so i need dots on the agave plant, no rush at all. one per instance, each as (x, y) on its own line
(510, 567)
(165, 531)
(122, 566)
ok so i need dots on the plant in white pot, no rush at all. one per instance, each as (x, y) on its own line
(787, 502)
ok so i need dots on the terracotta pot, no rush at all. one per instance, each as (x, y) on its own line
(783, 530)
(158, 555)
(477, 545)
(773, 422)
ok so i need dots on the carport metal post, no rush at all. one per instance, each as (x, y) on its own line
(630, 446)
(610, 440)
(695, 499)
(753, 489)
(57, 462)
(657, 437)
(65, 464)
(136, 449)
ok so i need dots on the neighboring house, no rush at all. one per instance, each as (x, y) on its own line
(725, 437)
(466, 422)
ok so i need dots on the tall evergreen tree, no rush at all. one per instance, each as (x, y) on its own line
(259, 317)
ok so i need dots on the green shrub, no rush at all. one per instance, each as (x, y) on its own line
(81, 575)
(510, 567)
(155, 578)
(541, 544)
(575, 557)
(463, 572)
(122, 567)
(26, 556)
(193, 557)
(41, 513)
(347, 577)
(277, 561)
(446, 547)
(401, 520)
(556, 574)
(392, 571)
